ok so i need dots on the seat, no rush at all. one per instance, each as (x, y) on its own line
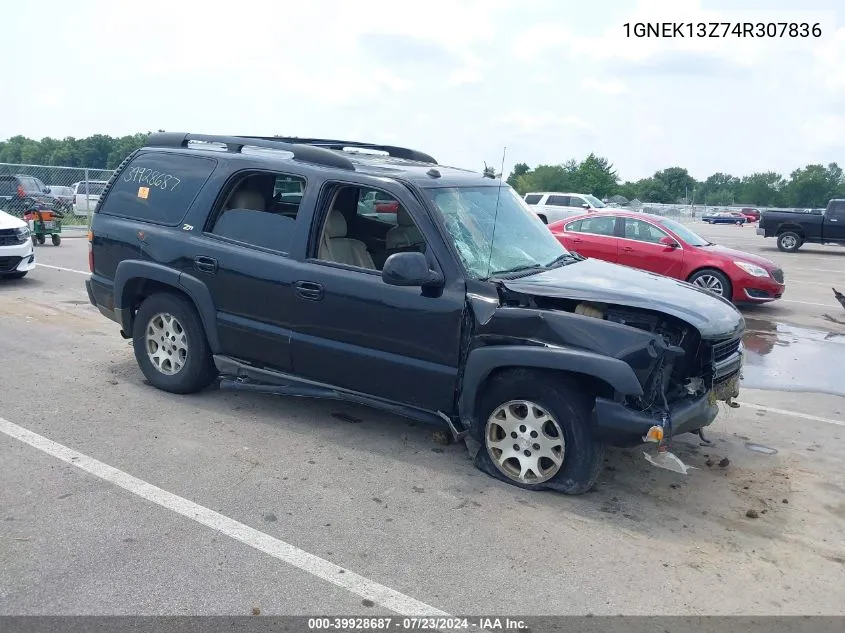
(405, 234)
(247, 199)
(336, 247)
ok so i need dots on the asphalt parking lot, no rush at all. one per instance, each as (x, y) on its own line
(117, 498)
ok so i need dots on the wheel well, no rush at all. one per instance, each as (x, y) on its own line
(583, 382)
(791, 228)
(703, 268)
(137, 289)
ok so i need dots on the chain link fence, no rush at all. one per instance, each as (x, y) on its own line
(71, 191)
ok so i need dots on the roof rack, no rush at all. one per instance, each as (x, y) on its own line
(235, 144)
(392, 150)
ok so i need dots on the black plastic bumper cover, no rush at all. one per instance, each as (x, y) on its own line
(619, 425)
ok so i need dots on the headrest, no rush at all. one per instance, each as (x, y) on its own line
(337, 225)
(247, 199)
(403, 218)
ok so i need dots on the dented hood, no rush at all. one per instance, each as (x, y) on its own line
(602, 282)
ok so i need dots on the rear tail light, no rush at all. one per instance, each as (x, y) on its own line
(21, 193)
(91, 251)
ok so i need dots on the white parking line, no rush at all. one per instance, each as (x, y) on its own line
(809, 303)
(69, 270)
(314, 565)
(794, 414)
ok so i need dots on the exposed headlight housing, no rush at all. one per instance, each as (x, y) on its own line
(753, 269)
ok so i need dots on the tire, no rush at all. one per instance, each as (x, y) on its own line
(56, 239)
(711, 279)
(739, 223)
(15, 275)
(789, 241)
(567, 406)
(189, 368)
(41, 239)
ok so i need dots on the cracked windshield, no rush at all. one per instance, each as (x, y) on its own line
(494, 231)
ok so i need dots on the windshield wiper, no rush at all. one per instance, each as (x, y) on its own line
(562, 258)
(518, 269)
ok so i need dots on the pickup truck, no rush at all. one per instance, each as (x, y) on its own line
(796, 227)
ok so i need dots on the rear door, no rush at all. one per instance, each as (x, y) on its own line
(641, 248)
(834, 222)
(594, 237)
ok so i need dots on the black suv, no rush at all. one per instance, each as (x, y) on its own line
(252, 260)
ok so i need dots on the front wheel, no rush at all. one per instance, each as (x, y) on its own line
(533, 428)
(56, 239)
(789, 242)
(170, 345)
(714, 281)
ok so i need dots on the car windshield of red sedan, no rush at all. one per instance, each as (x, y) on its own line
(495, 232)
(687, 235)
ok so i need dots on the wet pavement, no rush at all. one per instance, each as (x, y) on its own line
(782, 357)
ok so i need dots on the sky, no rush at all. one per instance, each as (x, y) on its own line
(469, 82)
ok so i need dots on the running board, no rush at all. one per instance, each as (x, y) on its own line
(238, 376)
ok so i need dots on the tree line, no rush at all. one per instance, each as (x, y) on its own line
(806, 187)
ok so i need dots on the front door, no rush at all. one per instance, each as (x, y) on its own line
(834, 222)
(641, 248)
(354, 331)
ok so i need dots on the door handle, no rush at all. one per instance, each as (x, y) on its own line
(309, 290)
(577, 239)
(627, 249)
(205, 264)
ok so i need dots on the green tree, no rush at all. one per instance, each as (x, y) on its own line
(676, 181)
(814, 185)
(520, 169)
(762, 189)
(596, 175)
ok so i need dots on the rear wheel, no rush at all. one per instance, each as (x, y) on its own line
(41, 239)
(56, 239)
(789, 241)
(533, 428)
(170, 345)
(713, 280)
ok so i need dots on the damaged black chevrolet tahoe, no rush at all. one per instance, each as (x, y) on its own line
(372, 274)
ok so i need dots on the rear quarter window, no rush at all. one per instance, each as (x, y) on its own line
(533, 199)
(157, 187)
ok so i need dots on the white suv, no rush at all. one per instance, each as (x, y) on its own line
(552, 206)
(17, 255)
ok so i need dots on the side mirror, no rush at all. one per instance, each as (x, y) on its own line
(668, 242)
(409, 269)
(585, 205)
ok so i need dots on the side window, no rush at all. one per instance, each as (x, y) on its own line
(643, 231)
(347, 236)
(604, 225)
(577, 202)
(533, 198)
(574, 227)
(260, 209)
(837, 210)
(377, 205)
(558, 201)
(157, 187)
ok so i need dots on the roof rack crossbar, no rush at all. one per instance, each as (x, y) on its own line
(304, 152)
(335, 144)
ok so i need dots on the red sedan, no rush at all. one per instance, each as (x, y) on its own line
(669, 248)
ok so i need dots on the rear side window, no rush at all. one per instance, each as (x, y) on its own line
(558, 201)
(157, 187)
(8, 186)
(260, 209)
(533, 198)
